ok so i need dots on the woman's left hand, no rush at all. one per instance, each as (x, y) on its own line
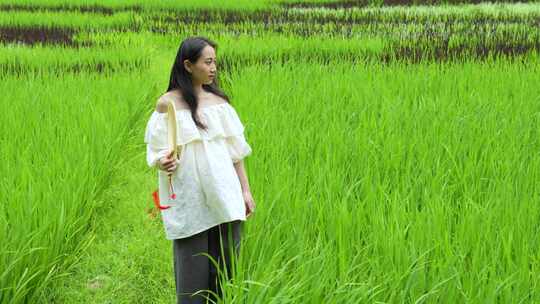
(250, 204)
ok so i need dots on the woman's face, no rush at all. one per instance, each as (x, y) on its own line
(204, 70)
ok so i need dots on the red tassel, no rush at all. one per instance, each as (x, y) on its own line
(156, 201)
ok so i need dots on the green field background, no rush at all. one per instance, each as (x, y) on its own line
(395, 149)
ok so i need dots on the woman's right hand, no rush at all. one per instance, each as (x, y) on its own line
(167, 163)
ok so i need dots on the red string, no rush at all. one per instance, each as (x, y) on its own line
(155, 195)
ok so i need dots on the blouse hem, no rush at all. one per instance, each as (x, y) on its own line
(168, 237)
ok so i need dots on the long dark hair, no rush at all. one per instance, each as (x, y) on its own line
(191, 49)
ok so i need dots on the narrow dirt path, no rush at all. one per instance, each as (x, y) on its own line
(130, 261)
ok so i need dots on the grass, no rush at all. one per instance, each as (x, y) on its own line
(63, 137)
(415, 184)
(391, 182)
(129, 261)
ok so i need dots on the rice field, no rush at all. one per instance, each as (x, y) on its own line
(396, 149)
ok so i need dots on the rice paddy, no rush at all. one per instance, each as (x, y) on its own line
(396, 149)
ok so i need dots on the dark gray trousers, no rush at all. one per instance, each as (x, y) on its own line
(194, 271)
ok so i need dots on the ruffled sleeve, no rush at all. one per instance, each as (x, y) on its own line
(238, 147)
(222, 121)
(156, 138)
(236, 141)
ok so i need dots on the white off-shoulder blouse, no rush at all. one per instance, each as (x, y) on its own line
(207, 187)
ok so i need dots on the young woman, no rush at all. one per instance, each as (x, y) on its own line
(213, 197)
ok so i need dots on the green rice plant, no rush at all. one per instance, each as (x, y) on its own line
(80, 21)
(61, 139)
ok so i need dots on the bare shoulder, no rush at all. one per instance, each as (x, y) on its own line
(161, 105)
(216, 99)
(221, 100)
